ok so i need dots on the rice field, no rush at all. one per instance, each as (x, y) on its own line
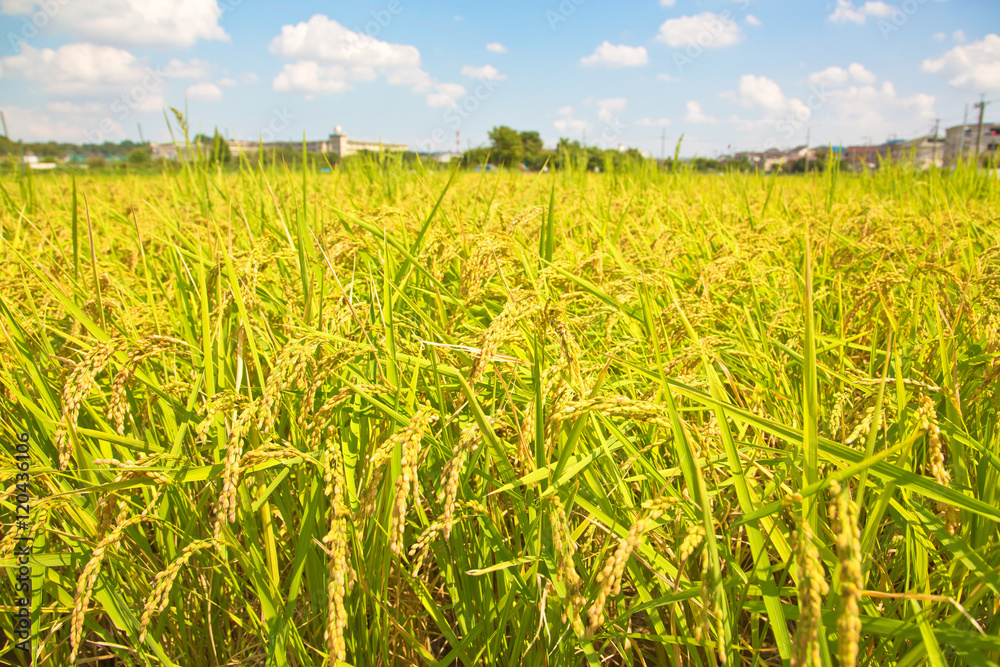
(393, 416)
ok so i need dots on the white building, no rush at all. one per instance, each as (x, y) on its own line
(339, 144)
(961, 140)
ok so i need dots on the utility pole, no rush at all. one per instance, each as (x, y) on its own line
(808, 138)
(961, 139)
(142, 141)
(979, 133)
(937, 124)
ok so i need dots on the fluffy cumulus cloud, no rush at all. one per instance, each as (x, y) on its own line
(846, 12)
(973, 66)
(486, 72)
(330, 58)
(192, 69)
(51, 125)
(879, 109)
(444, 95)
(614, 56)
(753, 20)
(148, 23)
(696, 115)
(851, 105)
(608, 109)
(707, 30)
(568, 124)
(668, 3)
(84, 70)
(653, 122)
(496, 47)
(204, 91)
(836, 76)
(762, 93)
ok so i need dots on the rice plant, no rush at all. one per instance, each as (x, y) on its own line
(393, 416)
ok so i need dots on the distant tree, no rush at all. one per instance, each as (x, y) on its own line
(477, 156)
(139, 156)
(96, 161)
(507, 147)
(220, 150)
(535, 154)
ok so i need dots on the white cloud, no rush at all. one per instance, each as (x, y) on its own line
(831, 76)
(667, 78)
(653, 122)
(16, 6)
(85, 70)
(696, 115)
(708, 30)
(975, 66)
(609, 108)
(568, 124)
(615, 56)
(487, 72)
(193, 69)
(860, 74)
(846, 12)
(668, 3)
(32, 125)
(245, 77)
(753, 20)
(204, 91)
(330, 58)
(958, 36)
(496, 47)
(310, 77)
(939, 36)
(445, 95)
(878, 110)
(148, 23)
(760, 92)
(836, 76)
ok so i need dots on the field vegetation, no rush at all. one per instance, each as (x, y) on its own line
(389, 415)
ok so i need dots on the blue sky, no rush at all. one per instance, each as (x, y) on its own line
(728, 74)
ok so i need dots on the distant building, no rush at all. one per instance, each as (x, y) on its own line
(765, 160)
(163, 151)
(922, 152)
(339, 144)
(864, 158)
(960, 140)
